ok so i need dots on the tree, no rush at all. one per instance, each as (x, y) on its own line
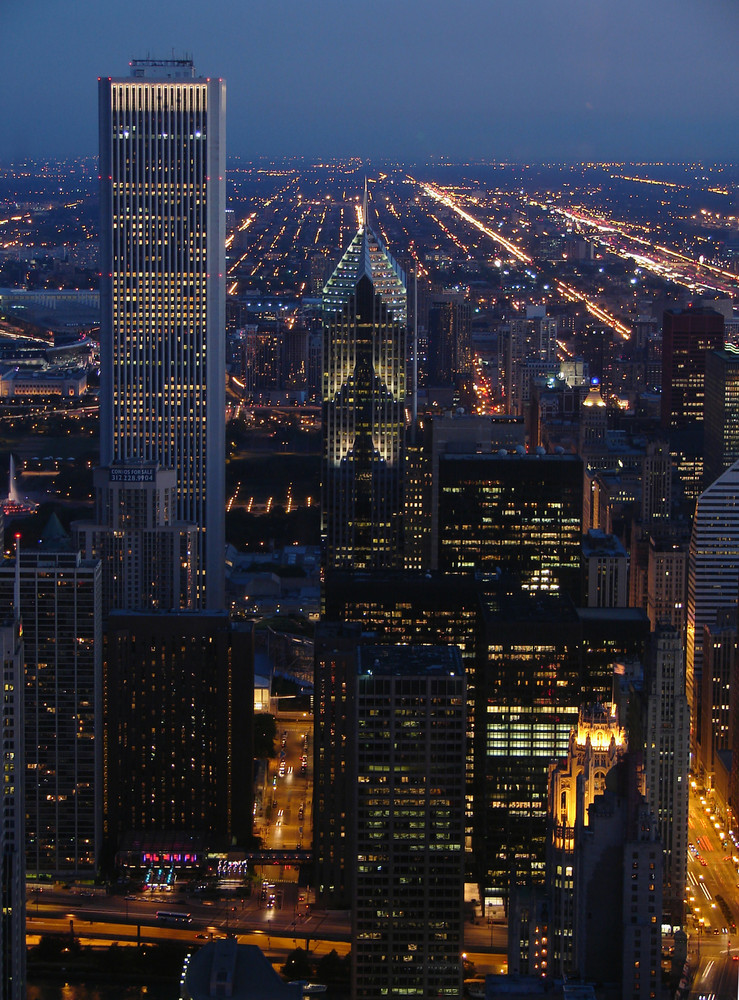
(265, 734)
(299, 965)
(55, 948)
(334, 970)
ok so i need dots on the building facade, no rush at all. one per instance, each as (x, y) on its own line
(516, 513)
(529, 337)
(409, 811)
(617, 920)
(528, 703)
(162, 337)
(336, 646)
(539, 660)
(593, 426)
(597, 743)
(179, 708)
(437, 609)
(721, 412)
(687, 335)
(16, 381)
(719, 673)
(12, 837)
(451, 433)
(60, 605)
(449, 354)
(605, 568)
(713, 574)
(149, 559)
(656, 489)
(667, 760)
(667, 583)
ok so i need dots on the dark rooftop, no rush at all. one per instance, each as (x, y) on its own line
(410, 661)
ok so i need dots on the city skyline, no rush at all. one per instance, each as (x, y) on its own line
(452, 515)
(545, 80)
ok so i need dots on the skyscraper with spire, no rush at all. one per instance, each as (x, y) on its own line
(364, 373)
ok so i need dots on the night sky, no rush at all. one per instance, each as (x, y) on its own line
(412, 79)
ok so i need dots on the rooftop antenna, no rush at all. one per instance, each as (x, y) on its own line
(17, 581)
(364, 203)
(415, 351)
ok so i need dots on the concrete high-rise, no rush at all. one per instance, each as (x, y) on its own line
(517, 513)
(60, 604)
(179, 711)
(436, 436)
(605, 571)
(687, 335)
(655, 574)
(600, 915)
(364, 353)
(593, 424)
(410, 722)
(336, 646)
(12, 838)
(148, 558)
(162, 291)
(617, 914)
(449, 338)
(444, 611)
(666, 760)
(533, 336)
(656, 496)
(719, 676)
(667, 572)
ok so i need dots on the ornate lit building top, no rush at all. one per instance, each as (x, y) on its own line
(594, 397)
(366, 256)
(598, 725)
(595, 746)
(364, 353)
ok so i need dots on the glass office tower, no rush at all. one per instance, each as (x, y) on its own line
(364, 355)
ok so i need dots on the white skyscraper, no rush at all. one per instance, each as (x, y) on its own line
(713, 573)
(162, 338)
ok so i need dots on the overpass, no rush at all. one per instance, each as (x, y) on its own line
(278, 857)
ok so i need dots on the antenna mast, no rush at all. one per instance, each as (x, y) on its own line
(415, 350)
(17, 581)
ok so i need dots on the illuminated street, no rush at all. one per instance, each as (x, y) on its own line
(713, 902)
(285, 820)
